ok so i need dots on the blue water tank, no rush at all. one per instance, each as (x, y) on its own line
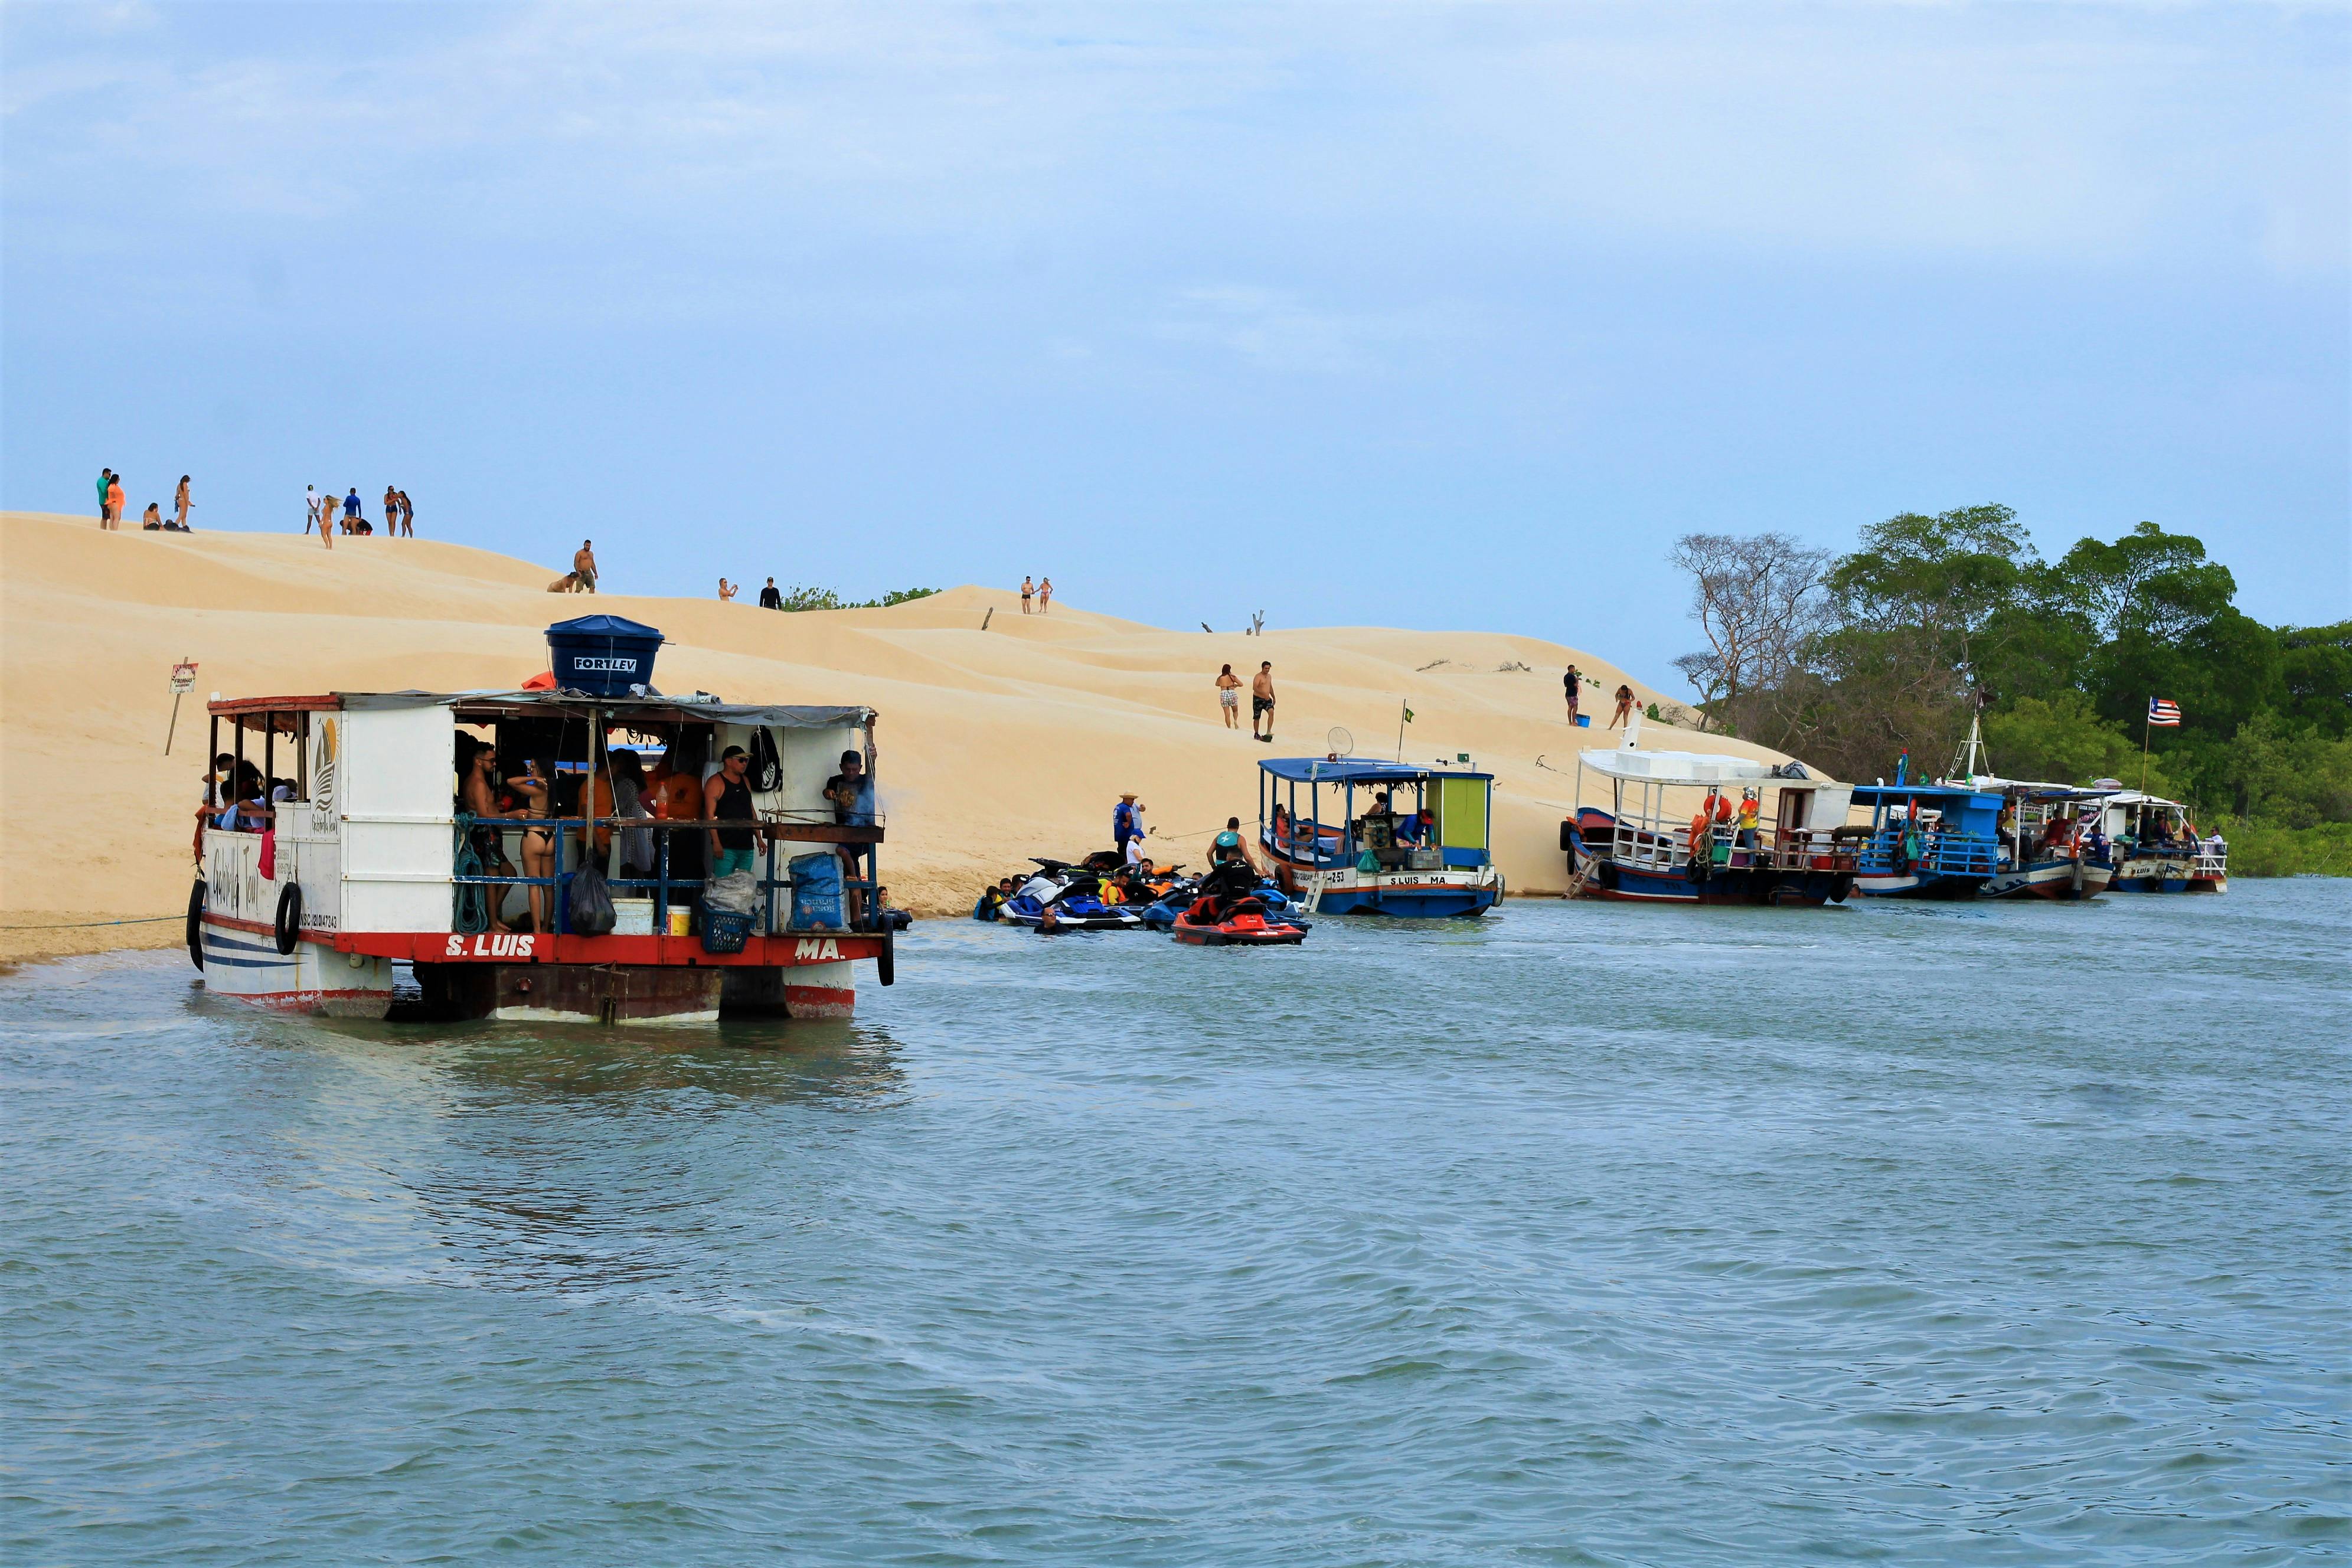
(603, 656)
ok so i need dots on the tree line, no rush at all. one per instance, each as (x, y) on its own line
(1850, 661)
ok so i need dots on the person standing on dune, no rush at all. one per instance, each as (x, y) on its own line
(105, 507)
(1028, 588)
(583, 567)
(114, 501)
(1044, 595)
(181, 502)
(407, 516)
(1261, 701)
(391, 512)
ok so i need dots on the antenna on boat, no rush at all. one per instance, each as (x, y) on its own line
(1964, 766)
(1340, 743)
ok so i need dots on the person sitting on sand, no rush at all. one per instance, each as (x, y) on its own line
(152, 522)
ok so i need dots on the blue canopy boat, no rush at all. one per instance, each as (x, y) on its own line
(1927, 840)
(2155, 848)
(1331, 843)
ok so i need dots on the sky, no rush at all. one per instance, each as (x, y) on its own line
(1436, 316)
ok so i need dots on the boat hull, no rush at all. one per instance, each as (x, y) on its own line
(245, 966)
(2165, 874)
(1917, 885)
(1750, 887)
(2062, 881)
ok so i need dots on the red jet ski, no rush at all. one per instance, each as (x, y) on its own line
(1242, 923)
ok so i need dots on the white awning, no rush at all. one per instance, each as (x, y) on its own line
(1694, 768)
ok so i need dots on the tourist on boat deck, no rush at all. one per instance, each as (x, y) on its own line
(478, 794)
(726, 797)
(1416, 826)
(1748, 820)
(851, 792)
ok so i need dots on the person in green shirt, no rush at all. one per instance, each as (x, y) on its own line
(105, 478)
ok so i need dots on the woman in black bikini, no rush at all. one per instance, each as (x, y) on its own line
(538, 843)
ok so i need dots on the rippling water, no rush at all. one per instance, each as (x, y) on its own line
(1579, 1235)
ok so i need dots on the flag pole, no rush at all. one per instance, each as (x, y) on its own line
(1404, 705)
(2146, 728)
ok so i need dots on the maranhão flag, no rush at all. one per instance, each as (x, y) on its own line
(2160, 712)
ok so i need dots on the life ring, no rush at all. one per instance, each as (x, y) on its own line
(196, 923)
(886, 965)
(290, 917)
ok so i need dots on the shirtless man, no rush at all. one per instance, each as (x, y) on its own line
(1261, 701)
(583, 567)
(480, 794)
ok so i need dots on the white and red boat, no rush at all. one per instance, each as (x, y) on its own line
(365, 862)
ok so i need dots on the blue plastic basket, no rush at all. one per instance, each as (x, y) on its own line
(724, 931)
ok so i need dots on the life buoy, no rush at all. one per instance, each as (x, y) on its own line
(196, 923)
(886, 963)
(290, 917)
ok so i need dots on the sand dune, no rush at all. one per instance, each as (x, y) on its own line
(996, 744)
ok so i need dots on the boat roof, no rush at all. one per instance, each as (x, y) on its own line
(1322, 770)
(617, 710)
(1697, 768)
(1865, 793)
(2031, 789)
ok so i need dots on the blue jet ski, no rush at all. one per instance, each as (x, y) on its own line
(1076, 902)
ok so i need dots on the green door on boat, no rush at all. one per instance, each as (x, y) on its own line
(1462, 813)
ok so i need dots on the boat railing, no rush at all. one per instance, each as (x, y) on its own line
(2211, 863)
(1952, 853)
(859, 838)
(1650, 848)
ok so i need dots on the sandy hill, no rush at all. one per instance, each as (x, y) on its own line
(996, 744)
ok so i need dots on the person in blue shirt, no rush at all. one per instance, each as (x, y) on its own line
(351, 510)
(1126, 822)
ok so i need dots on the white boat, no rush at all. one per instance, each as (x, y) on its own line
(309, 905)
(2156, 849)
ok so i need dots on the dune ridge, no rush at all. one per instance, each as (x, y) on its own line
(995, 745)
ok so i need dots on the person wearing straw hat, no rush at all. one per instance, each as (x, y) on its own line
(1126, 823)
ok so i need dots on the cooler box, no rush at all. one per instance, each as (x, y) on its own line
(633, 917)
(603, 656)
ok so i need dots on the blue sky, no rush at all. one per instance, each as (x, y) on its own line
(1430, 316)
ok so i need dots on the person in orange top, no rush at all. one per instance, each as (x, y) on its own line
(114, 501)
(674, 792)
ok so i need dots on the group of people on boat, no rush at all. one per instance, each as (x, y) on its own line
(682, 786)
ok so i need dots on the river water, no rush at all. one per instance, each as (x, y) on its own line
(1578, 1235)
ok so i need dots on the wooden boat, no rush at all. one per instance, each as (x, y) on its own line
(1332, 848)
(1650, 846)
(2156, 849)
(1926, 840)
(308, 905)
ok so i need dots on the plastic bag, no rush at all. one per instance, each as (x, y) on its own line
(737, 894)
(588, 910)
(816, 892)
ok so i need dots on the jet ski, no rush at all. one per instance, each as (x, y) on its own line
(1164, 914)
(1242, 921)
(1076, 900)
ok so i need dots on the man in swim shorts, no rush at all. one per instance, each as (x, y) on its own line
(583, 567)
(1261, 701)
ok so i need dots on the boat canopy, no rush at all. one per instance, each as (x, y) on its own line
(1958, 794)
(619, 710)
(1319, 769)
(1697, 768)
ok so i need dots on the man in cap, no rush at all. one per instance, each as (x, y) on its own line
(851, 792)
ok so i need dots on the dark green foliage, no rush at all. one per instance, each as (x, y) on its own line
(800, 598)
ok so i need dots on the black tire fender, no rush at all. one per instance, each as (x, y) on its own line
(290, 917)
(886, 962)
(196, 923)
(1840, 886)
